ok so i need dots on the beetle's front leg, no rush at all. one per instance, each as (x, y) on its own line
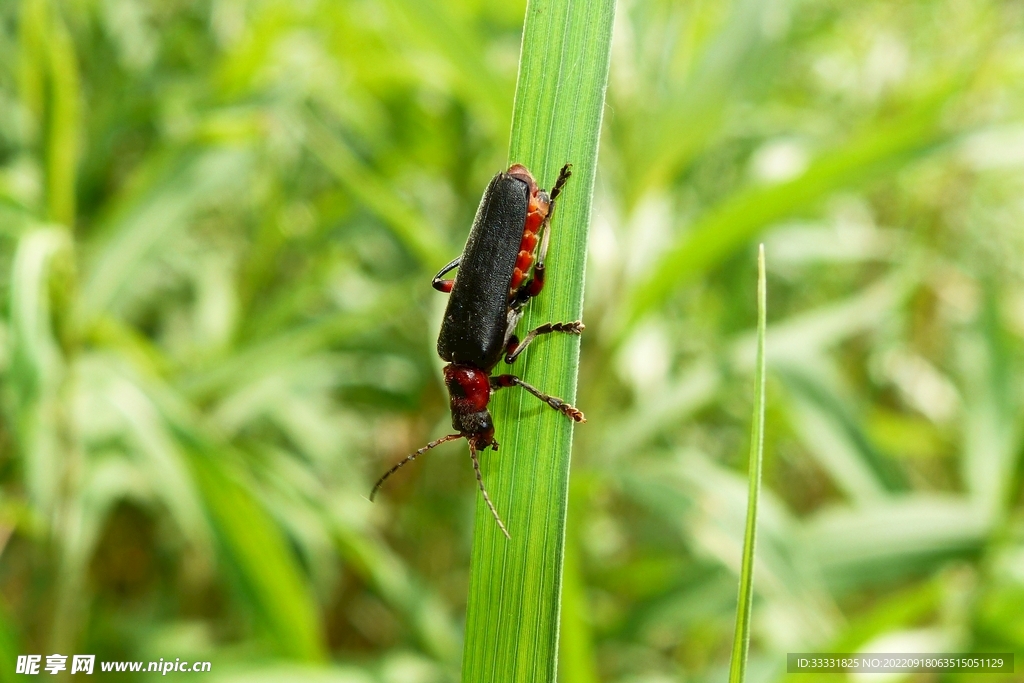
(442, 285)
(501, 381)
(514, 347)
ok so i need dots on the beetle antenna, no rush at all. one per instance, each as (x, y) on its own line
(480, 481)
(432, 444)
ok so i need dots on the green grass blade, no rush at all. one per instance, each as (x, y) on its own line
(155, 219)
(745, 606)
(832, 433)
(50, 86)
(37, 364)
(410, 228)
(863, 545)
(263, 562)
(513, 611)
(992, 435)
(10, 645)
(866, 157)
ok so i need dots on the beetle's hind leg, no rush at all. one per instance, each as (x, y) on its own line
(537, 282)
(500, 381)
(441, 284)
(516, 347)
(563, 176)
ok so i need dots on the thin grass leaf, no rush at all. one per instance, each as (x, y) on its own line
(992, 434)
(49, 84)
(741, 640)
(267, 570)
(835, 438)
(411, 229)
(160, 215)
(515, 585)
(37, 364)
(725, 228)
(10, 646)
(875, 544)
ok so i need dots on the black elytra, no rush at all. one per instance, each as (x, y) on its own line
(475, 323)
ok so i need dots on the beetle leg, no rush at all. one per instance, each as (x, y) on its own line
(445, 285)
(515, 347)
(563, 175)
(511, 320)
(536, 282)
(511, 345)
(558, 404)
(432, 444)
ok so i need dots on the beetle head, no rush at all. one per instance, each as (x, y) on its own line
(469, 391)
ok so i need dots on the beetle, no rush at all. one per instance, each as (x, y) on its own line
(501, 268)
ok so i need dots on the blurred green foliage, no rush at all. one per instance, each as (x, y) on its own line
(217, 222)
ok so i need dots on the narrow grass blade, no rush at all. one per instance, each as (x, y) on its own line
(50, 86)
(41, 267)
(861, 546)
(156, 217)
(833, 435)
(515, 585)
(410, 228)
(866, 157)
(264, 564)
(993, 434)
(745, 606)
(10, 646)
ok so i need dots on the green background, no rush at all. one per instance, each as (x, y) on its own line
(218, 222)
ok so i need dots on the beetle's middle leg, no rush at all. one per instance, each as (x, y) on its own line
(516, 347)
(501, 381)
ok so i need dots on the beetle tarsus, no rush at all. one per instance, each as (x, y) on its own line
(563, 176)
